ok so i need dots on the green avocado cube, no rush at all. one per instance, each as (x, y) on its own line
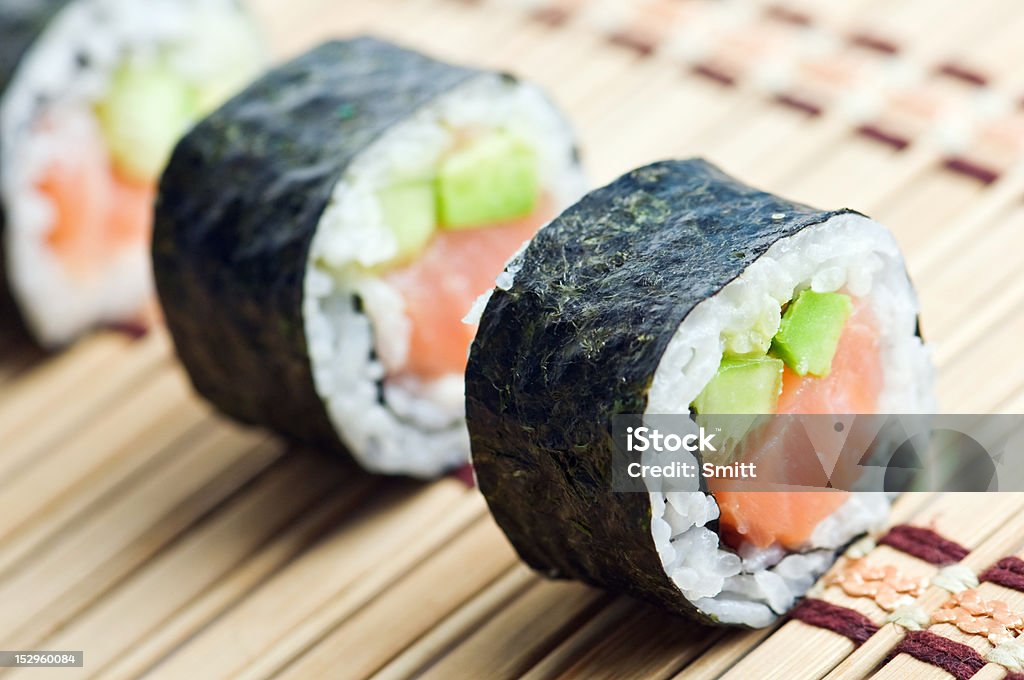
(810, 330)
(493, 179)
(742, 386)
(409, 211)
(146, 110)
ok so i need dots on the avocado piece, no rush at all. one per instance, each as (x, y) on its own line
(146, 110)
(742, 386)
(409, 210)
(493, 179)
(810, 330)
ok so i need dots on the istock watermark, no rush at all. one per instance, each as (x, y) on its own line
(876, 452)
(643, 439)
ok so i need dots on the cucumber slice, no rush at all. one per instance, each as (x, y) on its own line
(742, 386)
(494, 179)
(810, 330)
(146, 110)
(409, 211)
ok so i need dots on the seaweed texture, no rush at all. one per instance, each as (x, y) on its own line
(239, 205)
(576, 341)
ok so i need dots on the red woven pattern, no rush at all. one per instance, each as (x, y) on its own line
(847, 622)
(1007, 572)
(924, 544)
(960, 661)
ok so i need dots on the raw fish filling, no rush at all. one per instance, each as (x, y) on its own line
(824, 358)
(455, 232)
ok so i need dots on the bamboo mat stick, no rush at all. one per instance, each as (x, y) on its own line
(121, 537)
(981, 278)
(23, 400)
(723, 654)
(789, 156)
(410, 607)
(993, 304)
(689, 109)
(997, 56)
(1001, 197)
(513, 640)
(30, 400)
(30, 442)
(448, 632)
(85, 454)
(749, 151)
(1014, 404)
(337, 611)
(594, 632)
(184, 621)
(638, 642)
(245, 529)
(925, 27)
(65, 516)
(987, 356)
(853, 173)
(373, 534)
(796, 650)
(935, 197)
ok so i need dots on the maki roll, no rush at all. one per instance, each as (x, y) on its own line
(320, 238)
(678, 290)
(93, 95)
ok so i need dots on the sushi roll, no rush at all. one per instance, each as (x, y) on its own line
(678, 290)
(93, 96)
(320, 239)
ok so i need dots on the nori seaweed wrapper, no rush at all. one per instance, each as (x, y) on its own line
(239, 205)
(576, 341)
(21, 24)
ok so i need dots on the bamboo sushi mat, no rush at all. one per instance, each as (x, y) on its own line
(160, 539)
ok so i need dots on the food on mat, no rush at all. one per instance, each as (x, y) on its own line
(93, 96)
(320, 239)
(678, 290)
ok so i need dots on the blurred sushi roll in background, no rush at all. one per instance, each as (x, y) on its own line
(320, 238)
(678, 290)
(93, 96)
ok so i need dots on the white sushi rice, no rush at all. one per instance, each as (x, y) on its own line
(69, 69)
(847, 252)
(356, 324)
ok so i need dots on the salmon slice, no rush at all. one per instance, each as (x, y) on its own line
(96, 213)
(130, 219)
(855, 381)
(789, 518)
(440, 287)
(79, 191)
